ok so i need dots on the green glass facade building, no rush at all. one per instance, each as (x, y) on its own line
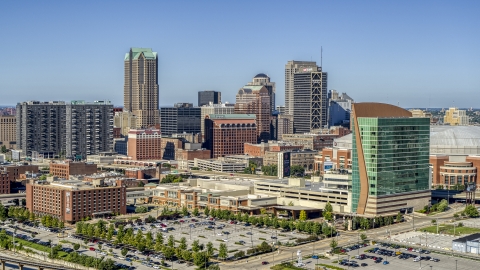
(390, 157)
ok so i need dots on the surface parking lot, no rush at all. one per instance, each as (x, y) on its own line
(237, 237)
(405, 261)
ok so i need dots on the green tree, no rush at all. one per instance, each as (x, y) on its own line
(184, 211)
(442, 206)
(4, 149)
(290, 203)
(333, 244)
(365, 223)
(76, 246)
(195, 212)
(183, 243)
(239, 254)
(141, 184)
(222, 251)
(187, 255)
(196, 246)
(328, 216)
(168, 252)
(209, 249)
(3, 213)
(303, 215)
(171, 241)
(399, 217)
(297, 170)
(206, 211)
(149, 240)
(159, 238)
(328, 207)
(363, 237)
(124, 252)
(200, 259)
(471, 211)
(110, 232)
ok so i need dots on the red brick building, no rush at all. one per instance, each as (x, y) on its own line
(14, 171)
(258, 150)
(225, 134)
(4, 183)
(141, 173)
(66, 168)
(144, 144)
(184, 154)
(446, 173)
(341, 159)
(72, 201)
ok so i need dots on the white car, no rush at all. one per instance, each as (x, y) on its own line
(156, 267)
(219, 234)
(225, 240)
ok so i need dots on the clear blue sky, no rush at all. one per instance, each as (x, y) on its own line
(412, 53)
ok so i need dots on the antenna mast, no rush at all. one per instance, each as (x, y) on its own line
(321, 56)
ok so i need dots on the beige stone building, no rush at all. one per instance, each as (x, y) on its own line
(456, 117)
(141, 86)
(8, 129)
(125, 121)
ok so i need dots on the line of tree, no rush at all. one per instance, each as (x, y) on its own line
(270, 170)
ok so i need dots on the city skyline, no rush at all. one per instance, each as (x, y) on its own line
(374, 51)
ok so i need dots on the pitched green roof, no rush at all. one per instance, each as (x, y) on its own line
(136, 52)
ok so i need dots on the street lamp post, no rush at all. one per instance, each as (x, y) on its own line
(455, 264)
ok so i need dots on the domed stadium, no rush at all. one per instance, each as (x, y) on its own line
(455, 140)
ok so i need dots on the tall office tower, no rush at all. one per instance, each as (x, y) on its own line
(8, 131)
(211, 108)
(263, 79)
(310, 105)
(89, 128)
(180, 118)
(225, 134)
(124, 120)
(291, 68)
(205, 97)
(140, 93)
(339, 108)
(254, 99)
(41, 128)
(390, 160)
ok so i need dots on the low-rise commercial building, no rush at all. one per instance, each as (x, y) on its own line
(299, 192)
(304, 158)
(467, 244)
(258, 150)
(64, 169)
(4, 183)
(72, 201)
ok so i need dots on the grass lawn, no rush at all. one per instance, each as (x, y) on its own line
(39, 247)
(285, 266)
(448, 229)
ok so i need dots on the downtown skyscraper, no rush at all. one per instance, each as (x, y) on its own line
(306, 95)
(141, 86)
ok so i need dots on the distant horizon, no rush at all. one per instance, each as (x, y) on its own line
(406, 108)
